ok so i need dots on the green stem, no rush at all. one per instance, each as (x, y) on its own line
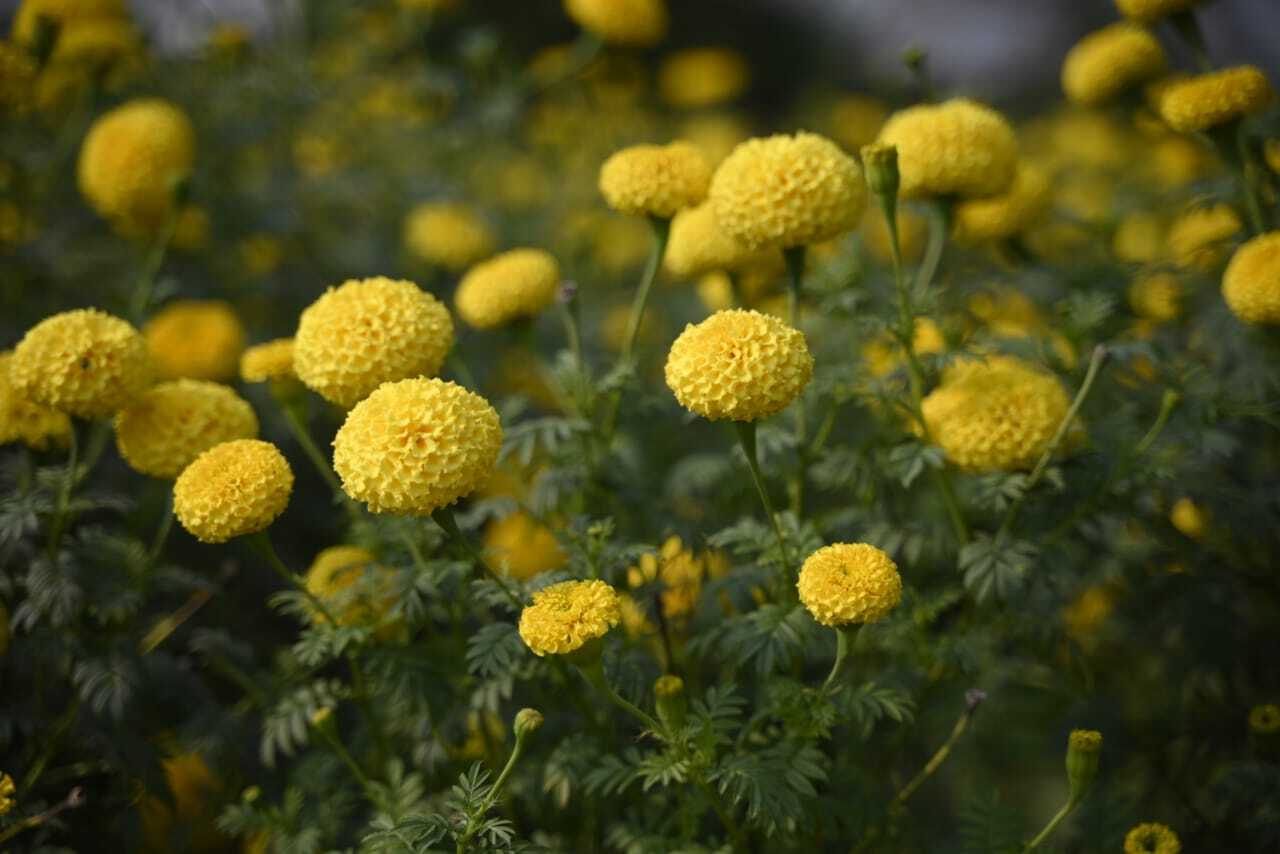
(1050, 827)
(746, 433)
(725, 815)
(309, 447)
(1168, 402)
(74, 799)
(460, 368)
(445, 519)
(845, 636)
(935, 762)
(795, 258)
(571, 316)
(594, 674)
(140, 300)
(162, 532)
(58, 525)
(939, 224)
(60, 727)
(335, 742)
(1250, 172)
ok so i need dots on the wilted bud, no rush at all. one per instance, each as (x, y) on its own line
(1083, 749)
(880, 163)
(528, 721)
(672, 707)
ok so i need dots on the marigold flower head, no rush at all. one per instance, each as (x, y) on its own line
(787, 191)
(1190, 520)
(170, 424)
(679, 572)
(367, 332)
(84, 362)
(1005, 214)
(1139, 238)
(1088, 611)
(132, 161)
(523, 547)
(7, 790)
(21, 420)
(956, 148)
(232, 489)
(566, 616)
(1157, 296)
(1198, 238)
(1251, 283)
(272, 360)
(450, 235)
(195, 339)
(1106, 62)
(698, 245)
(996, 414)
(1152, 838)
(417, 445)
(62, 13)
(703, 77)
(17, 77)
(655, 180)
(1211, 99)
(848, 583)
(629, 22)
(519, 283)
(1265, 719)
(1150, 10)
(337, 577)
(738, 365)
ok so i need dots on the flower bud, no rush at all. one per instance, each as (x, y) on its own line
(322, 719)
(1083, 749)
(528, 721)
(671, 703)
(880, 163)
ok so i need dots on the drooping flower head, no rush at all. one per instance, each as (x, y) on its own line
(195, 339)
(1208, 100)
(516, 284)
(1106, 62)
(170, 424)
(566, 616)
(956, 148)
(848, 583)
(655, 180)
(1251, 283)
(272, 360)
(639, 23)
(21, 420)
(1152, 838)
(232, 490)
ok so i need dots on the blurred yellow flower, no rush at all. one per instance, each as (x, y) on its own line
(337, 577)
(33, 424)
(698, 245)
(1189, 518)
(7, 790)
(1198, 239)
(1087, 612)
(655, 180)
(231, 490)
(17, 77)
(195, 339)
(629, 22)
(161, 432)
(679, 573)
(856, 120)
(1150, 10)
(62, 13)
(1211, 99)
(703, 77)
(1265, 719)
(1157, 297)
(959, 147)
(270, 361)
(1106, 62)
(448, 234)
(516, 284)
(884, 355)
(1139, 238)
(1251, 283)
(1003, 215)
(1151, 838)
(522, 547)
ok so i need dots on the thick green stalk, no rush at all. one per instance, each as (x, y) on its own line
(845, 636)
(1050, 827)
(445, 519)
(593, 672)
(746, 433)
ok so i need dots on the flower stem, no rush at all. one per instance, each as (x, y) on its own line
(1168, 402)
(335, 741)
(1050, 827)
(746, 433)
(935, 761)
(845, 636)
(75, 798)
(309, 447)
(594, 674)
(58, 525)
(445, 519)
(795, 258)
(140, 299)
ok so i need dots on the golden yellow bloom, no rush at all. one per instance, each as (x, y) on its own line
(195, 339)
(1106, 62)
(1265, 719)
(1150, 10)
(84, 362)
(522, 547)
(629, 22)
(849, 583)
(703, 77)
(785, 191)
(33, 424)
(62, 13)
(856, 120)
(1156, 297)
(1251, 283)
(7, 790)
(884, 355)
(270, 361)
(1189, 519)
(367, 332)
(957, 148)
(133, 159)
(679, 572)
(738, 365)
(996, 414)
(1086, 614)
(519, 283)
(1151, 838)
(17, 77)
(1207, 100)
(336, 577)
(450, 235)
(1006, 214)
(566, 616)
(99, 43)
(698, 245)
(194, 790)
(232, 489)
(417, 445)
(169, 425)
(1139, 238)
(1198, 238)
(655, 180)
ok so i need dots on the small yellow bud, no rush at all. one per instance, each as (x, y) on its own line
(1083, 749)
(527, 722)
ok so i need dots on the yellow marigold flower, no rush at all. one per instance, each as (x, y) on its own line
(1004, 215)
(232, 489)
(62, 13)
(1251, 283)
(679, 572)
(1265, 719)
(1139, 238)
(450, 235)
(1198, 238)
(99, 43)
(629, 22)
(1176, 161)
(7, 790)
(270, 361)
(1106, 62)
(519, 283)
(884, 355)
(84, 362)
(698, 245)
(996, 414)
(194, 804)
(1086, 614)
(133, 159)
(738, 365)
(1156, 297)
(367, 332)
(849, 583)
(196, 339)
(1150, 10)
(655, 180)
(913, 233)
(787, 191)
(1207, 100)
(703, 77)
(566, 616)
(33, 424)
(523, 547)
(17, 77)
(716, 135)
(1151, 838)
(856, 120)
(417, 445)
(957, 148)
(336, 578)
(169, 425)
(484, 732)
(1189, 519)
(1271, 154)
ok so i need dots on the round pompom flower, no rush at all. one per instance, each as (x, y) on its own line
(849, 583)
(335, 577)
(231, 490)
(957, 148)
(566, 616)
(1152, 838)
(21, 420)
(1106, 62)
(1198, 238)
(270, 361)
(1251, 283)
(367, 332)
(738, 365)
(630, 22)
(195, 339)
(655, 180)
(523, 547)
(697, 244)
(788, 191)
(84, 362)
(702, 77)
(1150, 10)
(133, 159)
(1008, 213)
(172, 423)
(996, 414)
(519, 283)
(1207, 100)
(450, 235)
(417, 445)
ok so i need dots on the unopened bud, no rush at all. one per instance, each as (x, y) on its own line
(322, 718)
(880, 163)
(1084, 747)
(668, 691)
(527, 722)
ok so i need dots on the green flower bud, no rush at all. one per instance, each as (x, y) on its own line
(880, 163)
(1083, 749)
(671, 703)
(527, 722)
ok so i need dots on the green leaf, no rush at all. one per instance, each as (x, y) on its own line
(908, 461)
(995, 567)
